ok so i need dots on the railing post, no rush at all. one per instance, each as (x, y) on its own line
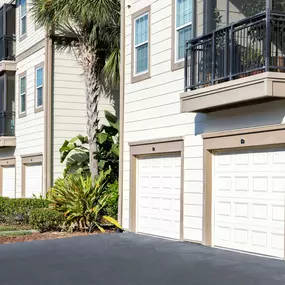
(231, 51)
(268, 36)
(192, 66)
(13, 124)
(4, 27)
(3, 133)
(185, 68)
(213, 57)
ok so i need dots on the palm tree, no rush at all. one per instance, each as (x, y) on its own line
(91, 28)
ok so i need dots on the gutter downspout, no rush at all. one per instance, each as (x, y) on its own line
(47, 158)
(122, 101)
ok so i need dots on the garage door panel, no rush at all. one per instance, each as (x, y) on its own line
(249, 201)
(278, 184)
(256, 186)
(33, 180)
(158, 197)
(252, 240)
(270, 214)
(258, 160)
(8, 183)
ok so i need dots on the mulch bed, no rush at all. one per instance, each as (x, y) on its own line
(43, 236)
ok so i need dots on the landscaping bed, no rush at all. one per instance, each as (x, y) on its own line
(77, 205)
(12, 238)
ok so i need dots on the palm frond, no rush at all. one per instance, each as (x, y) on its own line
(111, 70)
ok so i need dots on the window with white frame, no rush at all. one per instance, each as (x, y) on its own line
(23, 17)
(183, 25)
(39, 86)
(141, 44)
(23, 94)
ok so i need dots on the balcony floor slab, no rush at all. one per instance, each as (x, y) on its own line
(267, 86)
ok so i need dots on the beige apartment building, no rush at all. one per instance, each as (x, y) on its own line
(42, 103)
(203, 134)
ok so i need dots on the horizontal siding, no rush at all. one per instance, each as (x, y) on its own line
(152, 111)
(29, 129)
(34, 34)
(69, 104)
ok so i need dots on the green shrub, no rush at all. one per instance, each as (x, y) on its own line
(82, 200)
(112, 201)
(46, 219)
(10, 208)
(107, 153)
(75, 152)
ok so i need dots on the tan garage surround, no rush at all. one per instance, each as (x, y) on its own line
(29, 160)
(155, 148)
(268, 136)
(5, 162)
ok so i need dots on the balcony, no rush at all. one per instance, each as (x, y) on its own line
(7, 129)
(7, 38)
(239, 64)
(7, 54)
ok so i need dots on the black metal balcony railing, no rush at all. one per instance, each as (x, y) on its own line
(7, 124)
(7, 48)
(250, 46)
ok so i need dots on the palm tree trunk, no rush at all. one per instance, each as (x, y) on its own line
(92, 87)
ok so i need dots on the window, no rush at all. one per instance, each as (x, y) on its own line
(141, 44)
(39, 87)
(23, 17)
(183, 26)
(22, 103)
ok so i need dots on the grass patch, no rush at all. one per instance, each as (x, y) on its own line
(8, 228)
(15, 234)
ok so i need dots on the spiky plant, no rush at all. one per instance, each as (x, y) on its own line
(82, 200)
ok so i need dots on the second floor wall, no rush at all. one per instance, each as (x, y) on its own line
(28, 33)
(149, 23)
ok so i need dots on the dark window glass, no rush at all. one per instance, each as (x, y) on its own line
(220, 13)
(278, 5)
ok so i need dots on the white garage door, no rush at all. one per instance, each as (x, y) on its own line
(33, 180)
(9, 182)
(158, 195)
(249, 194)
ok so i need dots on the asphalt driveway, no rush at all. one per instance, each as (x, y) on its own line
(126, 259)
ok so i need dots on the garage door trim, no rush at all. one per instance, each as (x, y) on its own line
(240, 139)
(160, 147)
(6, 162)
(29, 160)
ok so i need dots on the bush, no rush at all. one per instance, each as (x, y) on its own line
(82, 200)
(46, 219)
(112, 201)
(10, 208)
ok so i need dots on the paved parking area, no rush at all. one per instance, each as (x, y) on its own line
(127, 258)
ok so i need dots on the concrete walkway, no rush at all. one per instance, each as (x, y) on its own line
(126, 259)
